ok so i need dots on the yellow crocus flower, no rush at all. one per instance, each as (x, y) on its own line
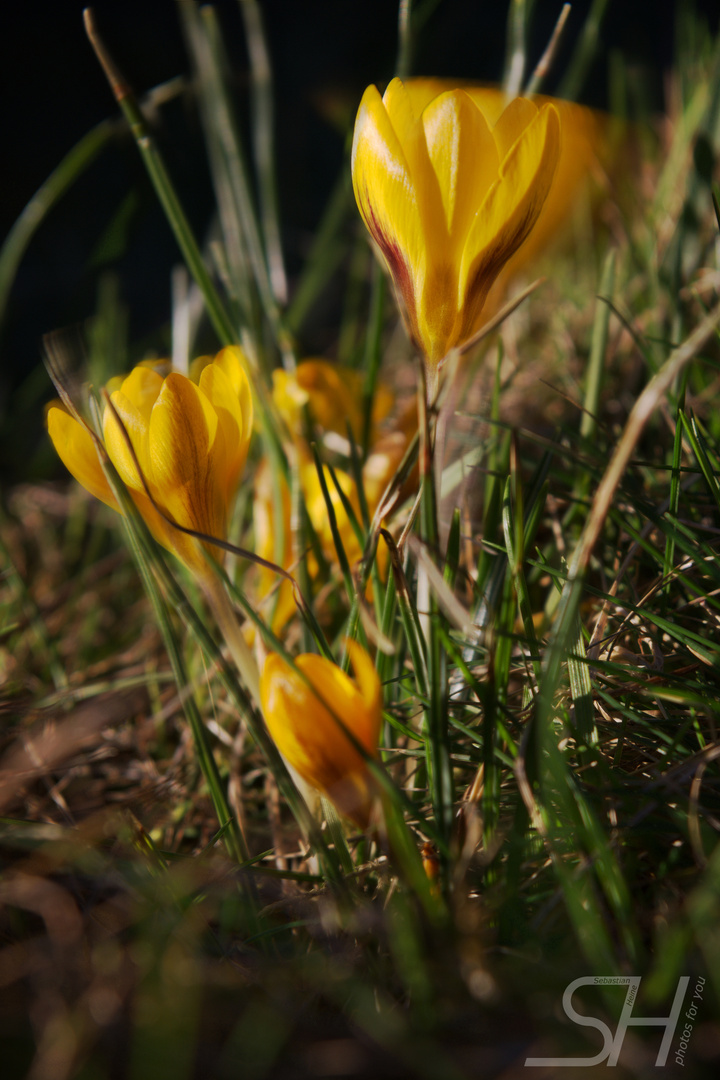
(302, 718)
(449, 198)
(379, 469)
(590, 146)
(332, 393)
(264, 521)
(190, 441)
(264, 524)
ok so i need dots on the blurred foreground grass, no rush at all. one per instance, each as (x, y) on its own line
(579, 628)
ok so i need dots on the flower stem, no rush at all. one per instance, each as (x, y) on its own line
(436, 720)
(227, 622)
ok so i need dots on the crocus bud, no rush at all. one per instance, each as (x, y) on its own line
(448, 199)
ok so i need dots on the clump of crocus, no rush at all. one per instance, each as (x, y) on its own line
(179, 444)
(309, 713)
(448, 198)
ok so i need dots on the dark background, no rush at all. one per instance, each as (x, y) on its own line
(324, 53)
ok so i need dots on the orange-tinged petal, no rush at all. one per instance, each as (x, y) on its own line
(303, 721)
(166, 534)
(76, 449)
(334, 394)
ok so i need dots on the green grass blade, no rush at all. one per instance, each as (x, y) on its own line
(72, 166)
(225, 329)
(264, 143)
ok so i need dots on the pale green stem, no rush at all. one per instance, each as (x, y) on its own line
(226, 618)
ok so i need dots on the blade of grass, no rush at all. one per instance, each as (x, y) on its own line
(700, 450)
(639, 416)
(332, 520)
(230, 140)
(674, 500)
(373, 351)
(72, 166)
(585, 50)
(164, 187)
(598, 350)
(263, 139)
(325, 256)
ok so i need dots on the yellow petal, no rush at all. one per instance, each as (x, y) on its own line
(234, 363)
(347, 701)
(122, 422)
(490, 100)
(289, 399)
(508, 213)
(422, 91)
(583, 151)
(464, 157)
(273, 544)
(133, 403)
(142, 387)
(317, 509)
(115, 383)
(197, 366)
(234, 426)
(412, 135)
(76, 449)
(386, 197)
(370, 689)
(271, 488)
(183, 427)
(513, 122)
